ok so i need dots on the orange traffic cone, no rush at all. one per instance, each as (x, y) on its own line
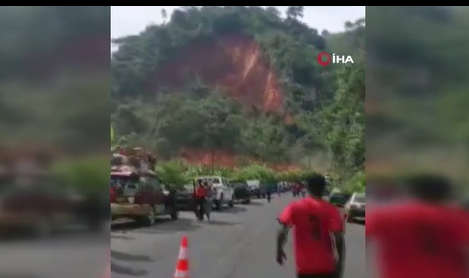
(182, 265)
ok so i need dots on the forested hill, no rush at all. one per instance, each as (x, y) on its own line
(240, 83)
(417, 67)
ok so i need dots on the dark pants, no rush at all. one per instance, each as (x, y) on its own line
(200, 208)
(318, 275)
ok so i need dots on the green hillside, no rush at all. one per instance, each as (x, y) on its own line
(321, 111)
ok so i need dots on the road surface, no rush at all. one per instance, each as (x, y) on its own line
(238, 244)
(76, 255)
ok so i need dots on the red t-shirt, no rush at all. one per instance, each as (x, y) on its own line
(313, 221)
(200, 192)
(420, 240)
(112, 194)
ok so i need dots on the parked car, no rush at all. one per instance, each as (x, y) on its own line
(37, 206)
(256, 188)
(241, 192)
(338, 198)
(222, 192)
(185, 198)
(355, 207)
(140, 195)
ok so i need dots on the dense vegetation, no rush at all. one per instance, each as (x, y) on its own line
(54, 76)
(326, 104)
(54, 60)
(417, 66)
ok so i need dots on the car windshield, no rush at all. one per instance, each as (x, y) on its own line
(189, 188)
(339, 198)
(359, 199)
(123, 180)
(238, 184)
(209, 180)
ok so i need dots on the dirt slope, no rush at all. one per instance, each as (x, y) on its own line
(226, 159)
(236, 65)
(233, 63)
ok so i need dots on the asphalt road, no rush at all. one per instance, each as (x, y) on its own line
(238, 244)
(76, 255)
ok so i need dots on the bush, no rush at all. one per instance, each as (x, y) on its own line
(174, 173)
(178, 173)
(356, 183)
(89, 175)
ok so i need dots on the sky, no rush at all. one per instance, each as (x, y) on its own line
(131, 20)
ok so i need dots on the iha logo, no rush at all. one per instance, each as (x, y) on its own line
(325, 59)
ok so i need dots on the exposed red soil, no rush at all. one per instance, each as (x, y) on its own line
(226, 159)
(234, 64)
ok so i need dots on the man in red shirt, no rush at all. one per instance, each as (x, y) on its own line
(424, 237)
(316, 224)
(199, 198)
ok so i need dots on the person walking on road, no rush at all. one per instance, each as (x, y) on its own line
(208, 200)
(268, 193)
(200, 195)
(424, 236)
(296, 189)
(303, 191)
(314, 222)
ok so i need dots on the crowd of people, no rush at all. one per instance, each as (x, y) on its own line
(298, 189)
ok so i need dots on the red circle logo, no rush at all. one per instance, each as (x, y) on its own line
(324, 59)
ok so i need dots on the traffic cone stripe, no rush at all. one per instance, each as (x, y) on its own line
(182, 254)
(181, 274)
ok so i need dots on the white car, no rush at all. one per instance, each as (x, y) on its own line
(355, 207)
(222, 192)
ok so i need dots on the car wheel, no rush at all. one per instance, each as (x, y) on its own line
(149, 219)
(174, 214)
(349, 219)
(231, 203)
(218, 204)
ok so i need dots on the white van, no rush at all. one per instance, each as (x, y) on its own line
(222, 192)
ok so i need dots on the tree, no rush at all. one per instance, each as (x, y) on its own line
(209, 107)
(295, 12)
